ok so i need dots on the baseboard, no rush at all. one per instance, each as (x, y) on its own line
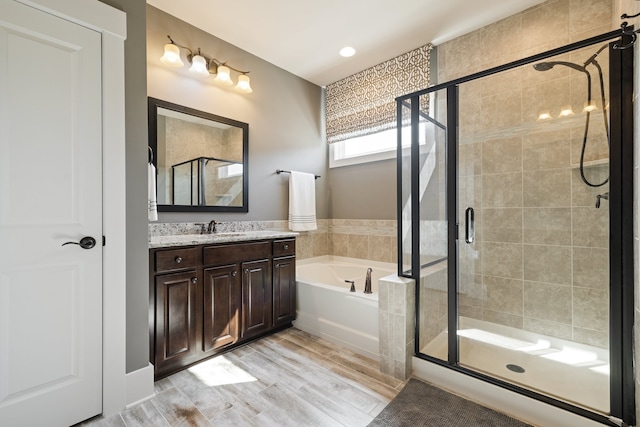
(140, 385)
(516, 405)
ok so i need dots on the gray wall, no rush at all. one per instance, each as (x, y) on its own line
(366, 191)
(283, 113)
(136, 160)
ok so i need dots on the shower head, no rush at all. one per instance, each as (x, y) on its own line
(546, 66)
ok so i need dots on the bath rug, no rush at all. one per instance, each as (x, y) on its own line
(421, 404)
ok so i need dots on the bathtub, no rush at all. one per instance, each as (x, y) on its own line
(327, 309)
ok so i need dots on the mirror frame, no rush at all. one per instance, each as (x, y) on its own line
(153, 105)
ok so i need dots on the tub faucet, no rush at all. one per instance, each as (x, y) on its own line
(367, 282)
(353, 285)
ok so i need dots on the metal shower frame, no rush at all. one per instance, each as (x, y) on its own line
(621, 255)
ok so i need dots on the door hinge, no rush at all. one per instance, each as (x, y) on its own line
(104, 240)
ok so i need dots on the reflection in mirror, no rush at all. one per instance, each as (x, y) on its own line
(201, 159)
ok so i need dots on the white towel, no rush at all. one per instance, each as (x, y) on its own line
(151, 193)
(302, 201)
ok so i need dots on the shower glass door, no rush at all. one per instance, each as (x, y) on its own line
(515, 212)
(533, 261)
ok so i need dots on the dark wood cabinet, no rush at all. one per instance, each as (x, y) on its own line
(176, 320)
(284, 281)
(221, 307)
(205, 299)
(256, 298)
(284, 290)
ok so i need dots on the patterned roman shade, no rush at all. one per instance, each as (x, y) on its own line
(364, 103)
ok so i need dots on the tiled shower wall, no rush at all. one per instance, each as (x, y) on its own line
(540, 260)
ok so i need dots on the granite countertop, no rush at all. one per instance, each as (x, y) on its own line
(203, 239)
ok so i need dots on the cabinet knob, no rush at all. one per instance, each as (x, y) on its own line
(234, 273)
(178, 259)
(194, 280)
(246, 270)
(286, 246)
(277, 266)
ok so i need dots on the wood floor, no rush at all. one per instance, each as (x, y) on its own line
(287, 379)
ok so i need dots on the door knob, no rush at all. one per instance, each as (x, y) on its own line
(85, 243)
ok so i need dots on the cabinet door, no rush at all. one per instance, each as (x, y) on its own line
(222, 300)
(175, 320)
(256, 298)
(284, 290)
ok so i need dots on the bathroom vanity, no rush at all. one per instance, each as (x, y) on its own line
(209, 293)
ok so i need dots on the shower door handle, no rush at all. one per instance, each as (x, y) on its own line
(469, 226)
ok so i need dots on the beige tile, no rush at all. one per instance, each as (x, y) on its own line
(548, 327)
(546, 24)
(358, 246)
(339, 244)
(381, 248)
(551, 264)
(502, 190)
(546, 150)
(320, 244)
(591, 267)
(501, 318)
(503, 260)
(502, 225)
(548, 188)
(551, 226)
(502, 110)
(470, 159)
(548, 90)
(503, 295)
(596, 147)
(502, 155)
(547, 301)
(590, 227)
(591, 337)
(584, 195)
(591, 309)
(585, 13)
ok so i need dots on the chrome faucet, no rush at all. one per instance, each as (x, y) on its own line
(212, 226)
(367, 282)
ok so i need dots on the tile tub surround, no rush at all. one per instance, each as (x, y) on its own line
(374, 240)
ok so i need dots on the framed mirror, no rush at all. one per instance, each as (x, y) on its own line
(201, 159)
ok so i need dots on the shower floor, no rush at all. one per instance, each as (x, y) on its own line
(565, 370)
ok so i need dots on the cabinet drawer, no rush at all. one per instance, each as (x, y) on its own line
(284, 247)
(174, 259)
(228, 254)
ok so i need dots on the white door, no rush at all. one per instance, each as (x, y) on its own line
(50, 193)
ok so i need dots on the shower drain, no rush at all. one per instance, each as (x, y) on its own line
(515, 368)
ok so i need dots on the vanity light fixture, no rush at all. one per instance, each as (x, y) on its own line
(203, 66)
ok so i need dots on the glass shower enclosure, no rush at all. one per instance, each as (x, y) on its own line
(514, 203)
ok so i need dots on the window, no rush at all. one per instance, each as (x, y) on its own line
(370, 148)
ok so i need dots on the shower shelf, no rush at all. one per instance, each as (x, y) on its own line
(591, 163)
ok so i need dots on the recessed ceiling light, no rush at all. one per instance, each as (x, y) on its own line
(347, 51)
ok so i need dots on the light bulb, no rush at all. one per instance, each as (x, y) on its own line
(544, 115)
(244, 84)
(566, 111)
(224, 76)
(199, 66)
(589, 106)
(171, 57)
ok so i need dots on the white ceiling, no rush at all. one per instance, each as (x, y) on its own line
(304, 36)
